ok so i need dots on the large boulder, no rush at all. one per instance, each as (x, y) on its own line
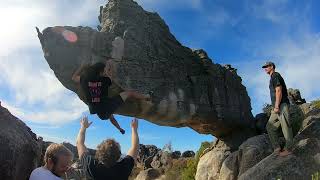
(255, 159)
(189, 89)
(223, 163)
(20, 151)
(146, 155)
(149, 174)
(253, 151)
(313, 115)
(230, 167)
(162, 160)
(210, 163)
(261, 120)
(302, 164)
(294, 96)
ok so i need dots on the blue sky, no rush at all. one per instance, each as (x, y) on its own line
(242, 33)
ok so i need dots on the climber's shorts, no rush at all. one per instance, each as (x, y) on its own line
(109, 107)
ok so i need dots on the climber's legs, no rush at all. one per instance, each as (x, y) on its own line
(133, 94)
(116, 124)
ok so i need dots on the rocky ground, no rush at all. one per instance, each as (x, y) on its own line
(254, 159)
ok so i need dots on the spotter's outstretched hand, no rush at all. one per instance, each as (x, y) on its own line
(84, 122)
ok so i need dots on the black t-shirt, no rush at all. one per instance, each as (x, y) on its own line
(275, 81)
(96, 92)
(120, 171)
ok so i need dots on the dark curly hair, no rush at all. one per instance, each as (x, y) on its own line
(94, 70)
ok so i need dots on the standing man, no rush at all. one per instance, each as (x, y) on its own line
(107, 164)
(280, 113)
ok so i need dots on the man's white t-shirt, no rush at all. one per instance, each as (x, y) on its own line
(42, 173)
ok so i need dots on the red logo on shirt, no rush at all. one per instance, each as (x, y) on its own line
(95, 91)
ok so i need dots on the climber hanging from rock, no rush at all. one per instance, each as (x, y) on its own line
(94, 82)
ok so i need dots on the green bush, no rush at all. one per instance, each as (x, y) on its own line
(189, 172)
(178, 165)
(316, 103)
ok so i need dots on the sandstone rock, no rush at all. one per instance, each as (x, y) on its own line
(162, 159)
(309, 109)
(210, 163)
(302, 164)
(187, 154)
(230, 167)
(306, 108)
(254, 158)
(252, 151)
(149, 174)
(295, 96)
(313, 115)
(296, 117)
(20, 151)
(189, 90)
(261, 122)
(230, 68)
(146, 155)
(205, 60)
(227, 165)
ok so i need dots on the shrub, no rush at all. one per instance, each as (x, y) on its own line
(316, 103)
(189, 172)
(178, 165)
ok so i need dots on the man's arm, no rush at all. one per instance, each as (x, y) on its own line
(133, 151)
(278, 98)
(82, 136)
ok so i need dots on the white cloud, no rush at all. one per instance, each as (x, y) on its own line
(272, 10)
(300, 61)
(53, 116)
(19, 19)
(35, 94)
